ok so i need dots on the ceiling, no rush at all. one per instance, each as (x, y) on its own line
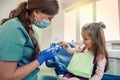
(68, 3)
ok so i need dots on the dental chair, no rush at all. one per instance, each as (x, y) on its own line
(60, 61)
(47, 77)
(110, 77)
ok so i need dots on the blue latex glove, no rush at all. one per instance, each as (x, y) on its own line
(47, 54)
(54, 45)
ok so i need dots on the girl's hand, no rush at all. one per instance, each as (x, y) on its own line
(73, 78)
(62, 43)
(64, 78)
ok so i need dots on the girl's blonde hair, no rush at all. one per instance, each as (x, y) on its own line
(96, 33)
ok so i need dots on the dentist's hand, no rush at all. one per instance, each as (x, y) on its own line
(48, 54)
(57, 47)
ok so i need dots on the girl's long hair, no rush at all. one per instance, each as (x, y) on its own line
(25, 9)
(95, 31)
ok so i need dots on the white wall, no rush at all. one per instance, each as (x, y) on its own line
(58, 25)
(6, 6)
(45, 37)
(102, 11)
(107, 11)
(70, 26)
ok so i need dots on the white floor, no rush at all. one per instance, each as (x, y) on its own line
(46, 71)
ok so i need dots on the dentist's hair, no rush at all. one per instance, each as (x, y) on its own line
(96, 33)
(25, 9)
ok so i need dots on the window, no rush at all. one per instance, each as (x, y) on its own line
(110, 16)
(85, 15)
(94, 11)
(70, 26)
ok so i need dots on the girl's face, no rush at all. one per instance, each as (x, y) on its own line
(87, 41)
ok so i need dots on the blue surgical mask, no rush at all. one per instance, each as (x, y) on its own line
(44, 23)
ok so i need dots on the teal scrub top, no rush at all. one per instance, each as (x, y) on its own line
(16, 45)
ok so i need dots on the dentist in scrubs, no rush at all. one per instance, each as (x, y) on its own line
(20, 55)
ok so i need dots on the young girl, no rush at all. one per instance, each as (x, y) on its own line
(94, 41)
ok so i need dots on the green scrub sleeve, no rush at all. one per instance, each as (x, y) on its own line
(12, 42)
